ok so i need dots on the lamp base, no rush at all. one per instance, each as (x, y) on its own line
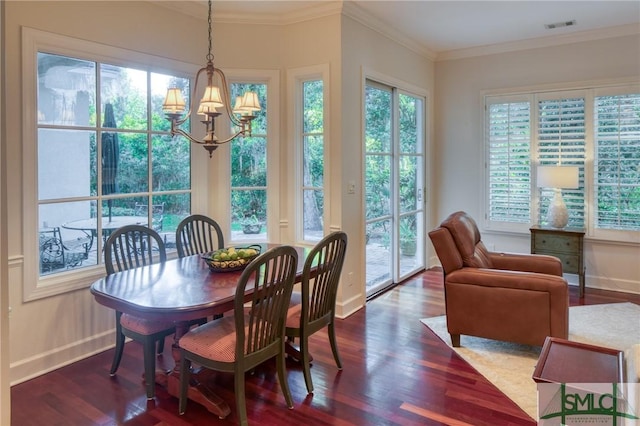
(557, 216)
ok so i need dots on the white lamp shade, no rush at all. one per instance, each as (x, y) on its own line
(211, 98)
(237, 106)
(174, 102)
(250, 102)
(203, 109)
(561, 177)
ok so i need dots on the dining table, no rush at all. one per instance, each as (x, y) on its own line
(179, 290)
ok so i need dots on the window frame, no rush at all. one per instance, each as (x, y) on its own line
(270, 78)
(517, 98)
(296, 79)
(34, 41)
(588, 90)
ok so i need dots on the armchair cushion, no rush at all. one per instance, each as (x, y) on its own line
(465, 233)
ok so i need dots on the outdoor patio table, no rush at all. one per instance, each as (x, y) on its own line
(90, 226)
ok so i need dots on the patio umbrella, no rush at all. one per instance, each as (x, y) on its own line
(110, 156)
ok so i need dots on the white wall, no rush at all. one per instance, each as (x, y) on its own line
(5, 400)
(367, 51)
(458, 166)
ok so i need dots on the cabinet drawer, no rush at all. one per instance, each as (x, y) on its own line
(556, 243)
(570, 264)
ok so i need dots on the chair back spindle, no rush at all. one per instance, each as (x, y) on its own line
(198, 234)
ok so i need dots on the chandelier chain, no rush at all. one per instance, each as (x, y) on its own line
(214, 97)
(210, 55)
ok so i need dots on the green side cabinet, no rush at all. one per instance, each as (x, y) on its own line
(565, 244)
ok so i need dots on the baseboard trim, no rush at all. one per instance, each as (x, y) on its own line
(48, 361)
(348, 307)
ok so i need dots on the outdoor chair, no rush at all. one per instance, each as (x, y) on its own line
(56, 253)
(133, 246)
(253, 335)
(157, 214)
(198, 234)
(314, 308)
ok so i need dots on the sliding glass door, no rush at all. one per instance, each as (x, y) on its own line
(394, 185)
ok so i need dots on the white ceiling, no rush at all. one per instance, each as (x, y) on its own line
(447, 28)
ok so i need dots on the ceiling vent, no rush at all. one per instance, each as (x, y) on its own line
(560, 24)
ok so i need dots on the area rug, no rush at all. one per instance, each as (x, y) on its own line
(509, 366)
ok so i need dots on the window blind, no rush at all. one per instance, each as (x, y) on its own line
(509, 176)
(617, 162)
(561, 140)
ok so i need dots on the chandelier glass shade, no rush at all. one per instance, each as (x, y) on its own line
(214, 102)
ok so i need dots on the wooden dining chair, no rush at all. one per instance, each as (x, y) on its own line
(253, 335)
(133, 246)
(314, 308)
(198, 234)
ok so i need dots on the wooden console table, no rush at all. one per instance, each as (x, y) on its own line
(565, 244)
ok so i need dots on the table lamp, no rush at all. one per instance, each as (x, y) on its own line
(558, 178)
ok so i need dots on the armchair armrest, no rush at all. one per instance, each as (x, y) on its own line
(516, 280)
(537, 263)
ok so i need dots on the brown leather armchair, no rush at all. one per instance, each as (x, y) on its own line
(518, 298)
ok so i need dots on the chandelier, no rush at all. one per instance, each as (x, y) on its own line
(214, 98)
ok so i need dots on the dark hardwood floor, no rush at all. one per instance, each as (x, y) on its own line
(396, 372)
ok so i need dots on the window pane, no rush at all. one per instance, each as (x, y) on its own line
(378, 119)
(509, 162)
(171, 163)
(410, 250)
(249, 162)
(313, 112)
(249, 172)
(378, 186)
(63, 242)
(313, 206)
(119, 212)
(126, 90)
(377, 252)
(561, 140)
(313, 162)
(408, 183)
(175, 208)
(133, 165)
(248, 214)
(312, 121)
(617, 177)
(410, 123)
(66, 91)
(65, 166)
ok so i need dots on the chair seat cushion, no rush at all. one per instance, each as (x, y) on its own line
(215, 340)
(143, 326)
(295, 311)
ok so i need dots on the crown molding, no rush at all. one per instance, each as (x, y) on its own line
(199, 10)
(603, 33)
(316, 11)
(358, 14)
